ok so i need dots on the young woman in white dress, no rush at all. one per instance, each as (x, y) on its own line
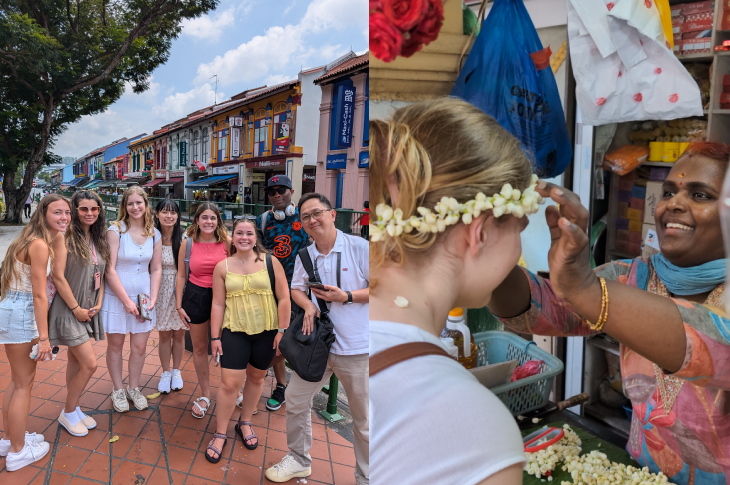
(169, 325)
(135, 266)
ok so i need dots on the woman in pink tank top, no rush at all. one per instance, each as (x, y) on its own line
(210, 244)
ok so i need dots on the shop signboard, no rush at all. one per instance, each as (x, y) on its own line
(364, 161)
(235, 142)
(266, 163)
(282, 137)
(179, 173)
(235, 121)
(309, 177)
(344, 116)
(225, 169)
(258, 177)
(337, 162)
(183, 154)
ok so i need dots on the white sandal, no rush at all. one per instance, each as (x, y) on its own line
(195, 403)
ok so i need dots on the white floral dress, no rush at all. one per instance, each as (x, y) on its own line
(167, 317)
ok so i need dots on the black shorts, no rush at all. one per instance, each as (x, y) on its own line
(197, 302)
(241, 349)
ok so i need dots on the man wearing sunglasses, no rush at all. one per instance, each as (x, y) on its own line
(284, 236)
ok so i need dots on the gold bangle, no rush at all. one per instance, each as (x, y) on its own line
(603, 315)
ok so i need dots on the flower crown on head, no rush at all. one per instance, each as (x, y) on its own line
(448, 212)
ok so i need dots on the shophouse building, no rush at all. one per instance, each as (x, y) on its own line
(140, 162)
(343, 156)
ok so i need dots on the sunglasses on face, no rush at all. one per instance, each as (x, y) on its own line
(86, 210)
(281, 191)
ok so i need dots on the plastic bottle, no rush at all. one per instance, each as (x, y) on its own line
(456, 329)
(450, 346)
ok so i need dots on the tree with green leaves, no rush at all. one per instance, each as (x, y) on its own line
(63, 59)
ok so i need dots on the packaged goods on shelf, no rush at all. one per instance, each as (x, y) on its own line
(653, 196)
(697, 34)
(696, 46)
(683, 130)
(700, 21)
(697, 7)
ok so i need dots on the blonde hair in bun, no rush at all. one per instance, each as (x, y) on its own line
(433, 149)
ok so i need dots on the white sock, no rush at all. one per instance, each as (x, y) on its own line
(80, 413)
(72, 417)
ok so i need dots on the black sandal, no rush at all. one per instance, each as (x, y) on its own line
(249, 437)
(213, 448)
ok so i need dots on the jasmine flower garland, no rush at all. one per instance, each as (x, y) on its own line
(449, 212)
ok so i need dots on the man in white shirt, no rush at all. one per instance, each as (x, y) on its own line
(348, 358)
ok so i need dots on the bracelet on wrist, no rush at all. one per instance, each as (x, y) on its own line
(214, 338)
(42, 339)
(74, 308)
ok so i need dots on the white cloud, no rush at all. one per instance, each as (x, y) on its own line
(134, 118)
(278, 79)
(209, 27)
(288, 9)
(280, 47)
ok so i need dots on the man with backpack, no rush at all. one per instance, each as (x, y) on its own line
(284, 236)
(340, 268)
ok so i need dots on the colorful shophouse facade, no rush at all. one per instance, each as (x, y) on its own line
(343, 159)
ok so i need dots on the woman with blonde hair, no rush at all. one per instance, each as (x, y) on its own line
(23, 323)
(81, 256)
(452, 189)
(134, 246)
(209, 244)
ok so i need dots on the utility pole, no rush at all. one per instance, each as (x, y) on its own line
(215, 99)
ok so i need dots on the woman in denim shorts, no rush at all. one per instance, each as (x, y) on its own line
(24, 322)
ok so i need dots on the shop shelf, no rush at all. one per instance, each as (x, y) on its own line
(526, 394)
(700, 56)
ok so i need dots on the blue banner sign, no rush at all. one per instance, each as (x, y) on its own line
(337, 162)
(364, 161)
(344, 116)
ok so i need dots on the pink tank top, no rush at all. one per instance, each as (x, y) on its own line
(203, 258)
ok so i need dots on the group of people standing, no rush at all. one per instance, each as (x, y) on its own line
(69, 278)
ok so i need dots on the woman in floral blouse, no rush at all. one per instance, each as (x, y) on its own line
(665, 311)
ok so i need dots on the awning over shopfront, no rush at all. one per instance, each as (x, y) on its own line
(76, 182)
(172, 181)
(128, 182)
(108, 183)
(210, 181)
(91, 184)
(153, 182)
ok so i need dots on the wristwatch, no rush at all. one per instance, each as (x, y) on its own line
(282, 330)
(349, 299)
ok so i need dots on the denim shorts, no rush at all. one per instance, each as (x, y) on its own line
(17, 318)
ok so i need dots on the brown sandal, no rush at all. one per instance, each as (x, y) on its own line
(249, 437)
(213, 448)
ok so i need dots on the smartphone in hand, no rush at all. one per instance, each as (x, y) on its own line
(316, 285)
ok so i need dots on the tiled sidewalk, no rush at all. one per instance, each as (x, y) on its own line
(139, 457)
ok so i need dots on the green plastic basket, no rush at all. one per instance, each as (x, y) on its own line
(527, 394)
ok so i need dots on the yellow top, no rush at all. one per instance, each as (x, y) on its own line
(456, 312)
(250, 304)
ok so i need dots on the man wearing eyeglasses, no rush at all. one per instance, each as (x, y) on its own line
(343, 266)
(284, 236)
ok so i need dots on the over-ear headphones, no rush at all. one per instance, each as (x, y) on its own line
(288, 212)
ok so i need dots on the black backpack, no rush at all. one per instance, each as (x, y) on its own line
(308, 354)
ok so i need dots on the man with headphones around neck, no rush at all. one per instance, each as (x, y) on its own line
(284, 236)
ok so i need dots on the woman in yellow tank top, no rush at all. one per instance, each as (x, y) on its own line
(246, 326)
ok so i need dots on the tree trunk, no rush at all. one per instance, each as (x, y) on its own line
(15, 197)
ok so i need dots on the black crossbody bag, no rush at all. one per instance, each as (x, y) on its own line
(308, 354)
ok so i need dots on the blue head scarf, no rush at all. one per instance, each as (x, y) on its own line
(689, 281)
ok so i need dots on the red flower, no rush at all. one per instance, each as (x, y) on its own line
(385, 39)
(429, 28)
(410, 47)
(376, 5)
(638, 97)
(674, 98)
(647, 3)
(600, 101)
(658, 70)
(404, 14)
(610, 6)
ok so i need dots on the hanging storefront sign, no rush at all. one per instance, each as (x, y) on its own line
(183, 154)
(225, 169)
(180, 173)
(309, 177)
(337, 162)
(235, 121)
(258, 177)
(364, 161)
(235, 142)
(282, 137)
(344, 116)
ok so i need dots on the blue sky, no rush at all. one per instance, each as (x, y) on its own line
(247, 43)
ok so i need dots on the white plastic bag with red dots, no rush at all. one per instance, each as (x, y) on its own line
(622, 64)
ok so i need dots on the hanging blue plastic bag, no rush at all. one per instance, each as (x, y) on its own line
(508, 76)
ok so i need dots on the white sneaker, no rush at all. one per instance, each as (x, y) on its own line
(119, 401)
(164, 385)
(140, 402)
(177, 382)
(5, 444)
(31, 453)
(287, 469)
